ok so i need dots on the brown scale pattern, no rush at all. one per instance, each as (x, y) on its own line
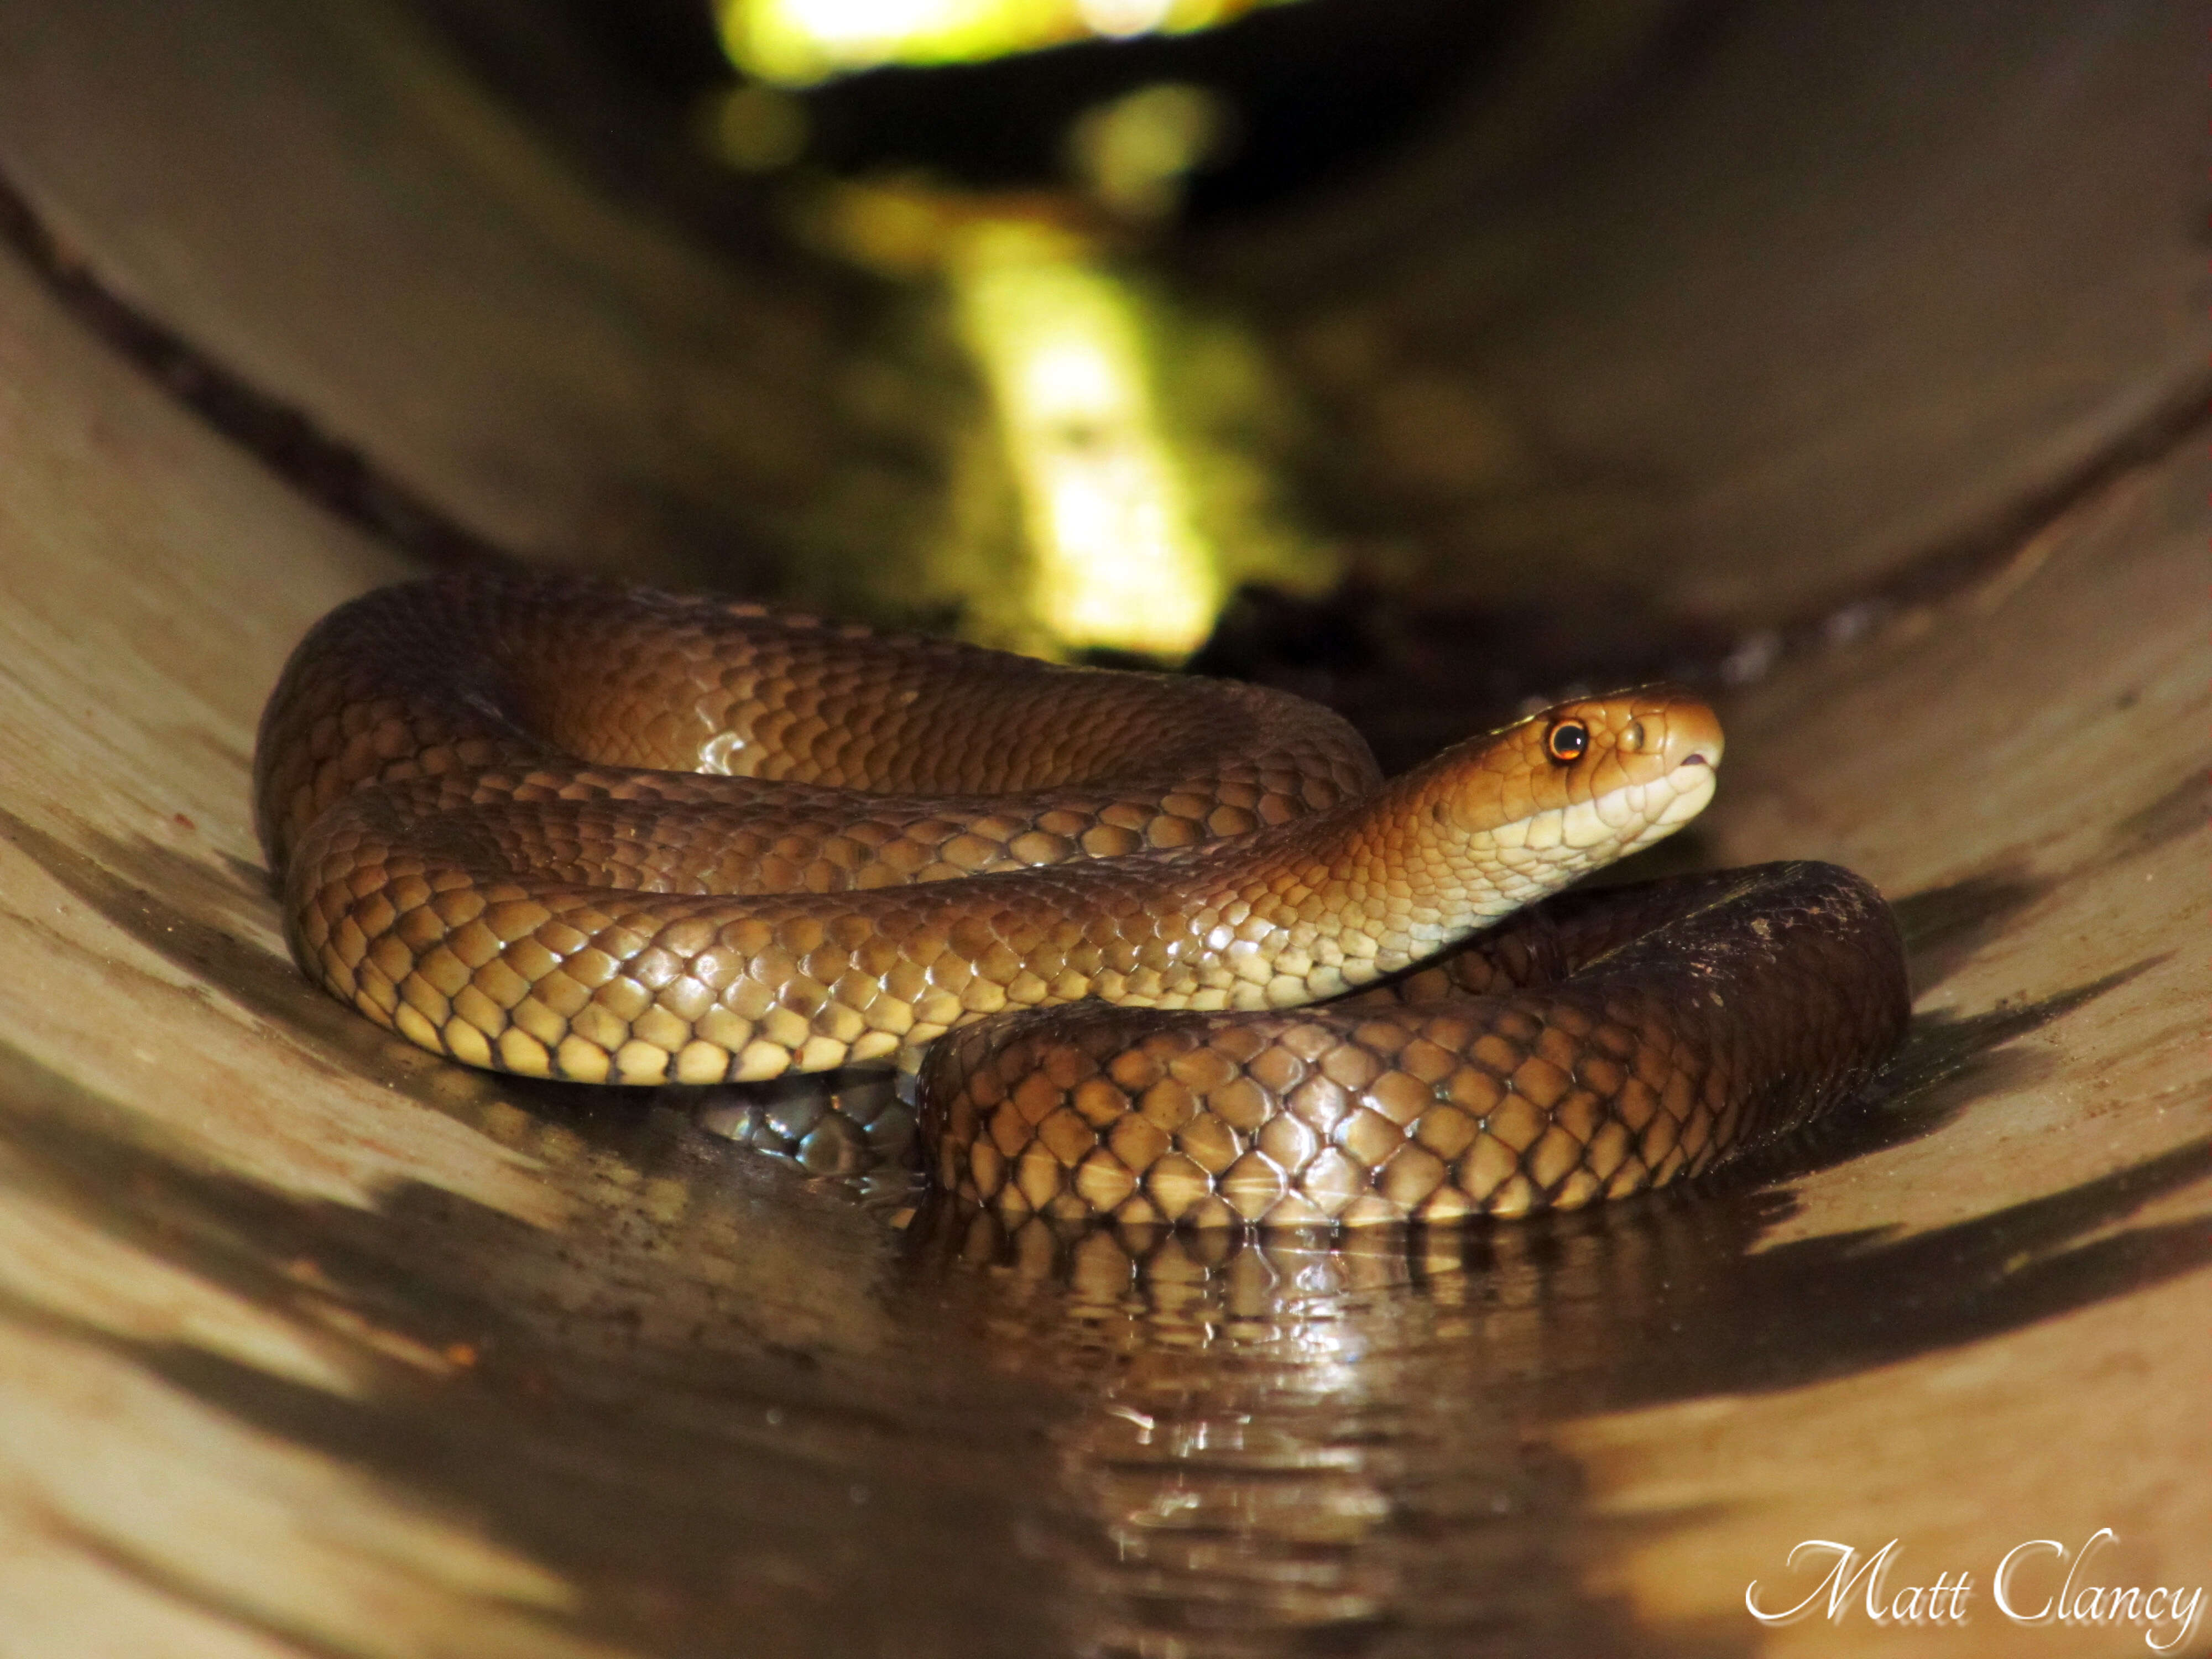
(538, 689)
(485, 800)
(1599, 1045)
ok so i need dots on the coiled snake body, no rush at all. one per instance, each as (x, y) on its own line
(553, 827)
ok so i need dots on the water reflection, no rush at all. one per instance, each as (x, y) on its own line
(1302, 1444)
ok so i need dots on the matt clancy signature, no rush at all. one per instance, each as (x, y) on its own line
(2021, 1587)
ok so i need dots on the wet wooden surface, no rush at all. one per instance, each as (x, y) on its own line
(311, 1345)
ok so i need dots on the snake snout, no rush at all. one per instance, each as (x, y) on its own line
(1687, 731)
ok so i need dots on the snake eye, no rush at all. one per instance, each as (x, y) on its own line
(1566, 741)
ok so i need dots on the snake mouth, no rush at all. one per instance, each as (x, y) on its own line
(1690, 789)
(1535, 856)
(1549, 849)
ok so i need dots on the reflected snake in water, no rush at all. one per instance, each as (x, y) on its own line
(1191, 960)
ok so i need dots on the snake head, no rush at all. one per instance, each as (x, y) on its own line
(1594, 779)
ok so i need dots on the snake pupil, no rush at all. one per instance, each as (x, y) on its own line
(1566, 741)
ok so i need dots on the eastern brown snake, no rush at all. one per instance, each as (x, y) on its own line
(563, 830)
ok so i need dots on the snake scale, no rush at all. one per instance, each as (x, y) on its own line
(1194, 960)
